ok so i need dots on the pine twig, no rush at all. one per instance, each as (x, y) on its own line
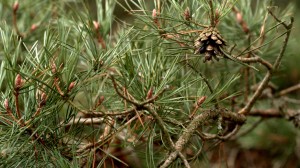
(207, 136)
(192, 127)
(101, 142)
(288, 90)
(256, 59)
(248, 130)
(268, 75)
(115, 85)
(161, 124)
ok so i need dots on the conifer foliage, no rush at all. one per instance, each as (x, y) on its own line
(83, 88)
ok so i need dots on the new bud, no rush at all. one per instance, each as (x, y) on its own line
(201, 100)
(33, 27)
(154, 17)
(53, 68)
(71, 86)
(150, 93)
(6, 105)
(154, 14)
(18, 81)
(100, 101)
(96, 25)
(239, 17)
(15, 6)
(187, 14)
(43, 99)
(217, 16)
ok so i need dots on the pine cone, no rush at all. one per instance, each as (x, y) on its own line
(209, 43)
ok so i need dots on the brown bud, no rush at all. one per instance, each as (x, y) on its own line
(53, 68)
(33, 27)
(187, 14)
(44, 96)
(15, 6)
(150, 93)
(18, 81)
(154, 14)
(96, 25)
(201, 100)
(217, 16)
(71, 86)
(245, 27)
(154, 17)
(43, 99)
(6, 104)
(239, 17)
(217, 13)
(100, 101)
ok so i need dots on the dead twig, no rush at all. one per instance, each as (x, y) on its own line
(208, 136)
(256, 59)
(86, 121)
(103, 141)
(248, 130)
(268, 75)
(192, 127)
(271, 113)
(288, 90)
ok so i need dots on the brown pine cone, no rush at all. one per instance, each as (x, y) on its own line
(209, 43)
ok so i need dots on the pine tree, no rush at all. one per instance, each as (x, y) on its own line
(82, 88)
